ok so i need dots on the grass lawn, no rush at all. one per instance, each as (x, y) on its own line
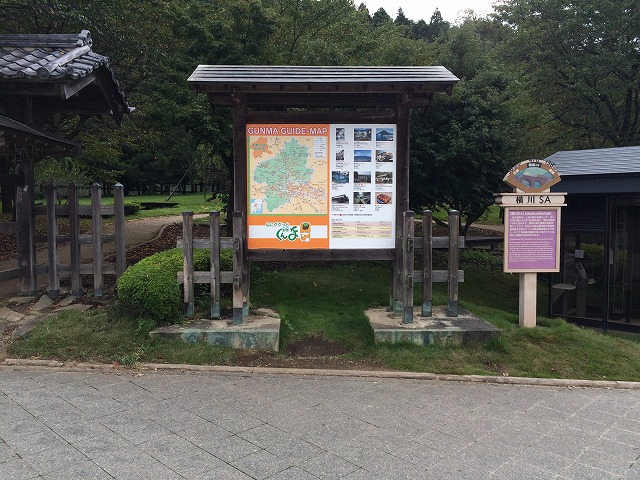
(330, 299)
(194, 202)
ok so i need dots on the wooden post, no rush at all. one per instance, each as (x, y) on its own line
(239, 152)
(187, 248)
(96, 221)
(237, 269)
(402, 194)
(74, 241)
(427, 264)
(118, 210)
(214, 237)
(52, 242)
(527, 297)
(25, 198)
(454, 232)
(245, 269)
(407, 266)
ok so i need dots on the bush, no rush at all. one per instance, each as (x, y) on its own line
(131, 208)
(480, 259)
(149, 289)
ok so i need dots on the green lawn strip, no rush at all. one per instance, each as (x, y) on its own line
(329, 300)
(101, 337)
(555, 349)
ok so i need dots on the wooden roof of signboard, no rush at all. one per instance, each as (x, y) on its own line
(61, 73)
(322, 85)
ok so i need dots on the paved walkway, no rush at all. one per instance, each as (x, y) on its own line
(58, 424)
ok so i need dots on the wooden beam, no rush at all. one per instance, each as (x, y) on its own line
(272, 255)
(321, 117)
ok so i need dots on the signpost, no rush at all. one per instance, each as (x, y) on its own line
(532, 229)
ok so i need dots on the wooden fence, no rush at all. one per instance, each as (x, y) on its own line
(404, 274)
(75, 239)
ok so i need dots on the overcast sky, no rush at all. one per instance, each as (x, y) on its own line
(423, 9)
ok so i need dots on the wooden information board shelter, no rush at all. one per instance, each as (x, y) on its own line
(362, 108)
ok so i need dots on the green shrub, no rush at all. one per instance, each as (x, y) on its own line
(149, 289)
(131, 208)
(480, 259)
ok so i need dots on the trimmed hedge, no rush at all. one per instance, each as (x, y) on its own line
(149, 289)
(131, 208)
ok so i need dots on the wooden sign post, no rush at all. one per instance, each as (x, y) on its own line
(532, 229)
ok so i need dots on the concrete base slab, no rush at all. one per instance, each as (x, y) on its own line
(260, 331)
(435, 330)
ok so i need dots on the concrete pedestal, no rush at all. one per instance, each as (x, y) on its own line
(439, 329)
(260, 331)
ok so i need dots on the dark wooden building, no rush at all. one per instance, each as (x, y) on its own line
(45, 78)
(599, 281)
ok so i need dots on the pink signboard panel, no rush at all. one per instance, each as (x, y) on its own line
(532, 240)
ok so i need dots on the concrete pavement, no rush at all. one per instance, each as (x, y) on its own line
(83, 424)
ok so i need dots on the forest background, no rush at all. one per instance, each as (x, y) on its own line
(536, 76)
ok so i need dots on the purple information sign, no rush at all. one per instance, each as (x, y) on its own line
(532, 240)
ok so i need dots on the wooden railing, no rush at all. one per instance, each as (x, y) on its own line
(73, 210)
(405, 274)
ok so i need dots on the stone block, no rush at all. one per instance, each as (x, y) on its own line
(439, 329)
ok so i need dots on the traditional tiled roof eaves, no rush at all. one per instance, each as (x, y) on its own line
(58, 59)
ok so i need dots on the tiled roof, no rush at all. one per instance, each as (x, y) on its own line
(598, 161)
(48, 57)
(60, 59)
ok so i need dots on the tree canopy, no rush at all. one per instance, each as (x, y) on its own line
(536, 76)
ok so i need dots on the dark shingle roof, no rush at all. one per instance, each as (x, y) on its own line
(269, 74)
(58, 60)
(599, 161)
(280, 83)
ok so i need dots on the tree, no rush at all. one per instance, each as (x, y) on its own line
(583, 64)
(401, 19)
(462, 148)
(381, 17)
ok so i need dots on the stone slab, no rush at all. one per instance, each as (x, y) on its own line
(21, 300)
(65, 302)
(10, 316)
(439, 329)
(260, 331)
(27, 324)
(42, 304)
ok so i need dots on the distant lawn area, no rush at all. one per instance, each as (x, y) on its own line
(194, 202)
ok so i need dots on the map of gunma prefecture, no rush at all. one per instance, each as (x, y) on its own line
(288, 170)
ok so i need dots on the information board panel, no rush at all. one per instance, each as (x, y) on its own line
(321, 186)
(532, 240)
